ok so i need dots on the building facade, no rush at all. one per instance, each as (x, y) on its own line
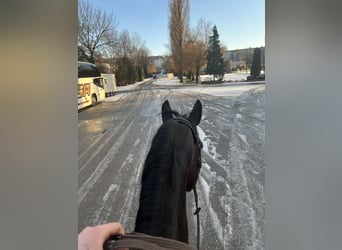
(241, 59)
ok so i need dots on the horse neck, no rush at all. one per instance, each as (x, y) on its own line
(162, 209)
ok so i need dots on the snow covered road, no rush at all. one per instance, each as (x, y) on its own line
(114, 138)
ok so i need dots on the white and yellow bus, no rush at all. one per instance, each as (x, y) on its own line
(90, 85)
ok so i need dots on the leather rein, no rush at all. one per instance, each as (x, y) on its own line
(199, 145)
(143, 241)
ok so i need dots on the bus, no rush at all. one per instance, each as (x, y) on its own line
(90, 85)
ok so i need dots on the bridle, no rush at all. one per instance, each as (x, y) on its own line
(197, 140)
(199, 146)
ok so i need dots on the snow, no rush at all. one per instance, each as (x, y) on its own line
(132, 86)
(128, 87)
(226, 89)
(203, 138)
(166, 81)
(111, 188)
(103, 209)
(227, 77)
(231, 184)
(213, 215)
(83, 190)
(116, 97)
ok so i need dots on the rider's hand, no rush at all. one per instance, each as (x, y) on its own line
(93, 238)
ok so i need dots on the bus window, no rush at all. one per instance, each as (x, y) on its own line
(98, 82)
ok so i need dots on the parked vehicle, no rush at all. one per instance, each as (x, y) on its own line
(109, 84)
(90, 85)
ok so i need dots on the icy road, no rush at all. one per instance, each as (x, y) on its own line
(115, 136)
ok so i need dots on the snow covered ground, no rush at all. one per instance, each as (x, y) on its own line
(123, 89)
(167, 81)
(231, 183)
(227, 77)
(232, 178)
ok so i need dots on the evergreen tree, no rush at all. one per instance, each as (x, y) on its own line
(256, 63)
(125, 71)
(215, 63)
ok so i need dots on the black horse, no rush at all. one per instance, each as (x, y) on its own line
(171, 168)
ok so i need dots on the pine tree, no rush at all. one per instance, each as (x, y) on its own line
(125, 71)
(215, 63)
(256, 63)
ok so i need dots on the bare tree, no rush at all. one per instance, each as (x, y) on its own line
(132, 55)
(124, 44)
(196, 46)
(203, 30)
(137, 47)
(178, 28)
(139, 54)
(168, 64)
(96, 29)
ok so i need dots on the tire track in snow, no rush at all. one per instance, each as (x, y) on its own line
(239, 229)
(91, 160)
(126, 174)
(248, 234)
(88, 184)
(134, 182)
(99, 212)
(221, 186)
(207, 183)
(107, 138)
(85, 157)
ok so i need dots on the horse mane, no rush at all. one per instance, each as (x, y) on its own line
(161, 178)
(170, 170)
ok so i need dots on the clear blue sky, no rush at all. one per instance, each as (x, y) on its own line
(241, 24)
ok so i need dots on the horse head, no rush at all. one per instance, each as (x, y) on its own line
(191, 121)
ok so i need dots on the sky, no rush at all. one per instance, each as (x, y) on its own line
(240, 24)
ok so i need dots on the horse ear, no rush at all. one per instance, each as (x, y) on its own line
(166, 111)
(196, 113)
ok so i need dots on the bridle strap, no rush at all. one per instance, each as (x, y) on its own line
(186, 122)
(197, 142)
(198, 209)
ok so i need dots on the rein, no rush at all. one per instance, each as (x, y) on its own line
(143, 241)
(198, 143)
